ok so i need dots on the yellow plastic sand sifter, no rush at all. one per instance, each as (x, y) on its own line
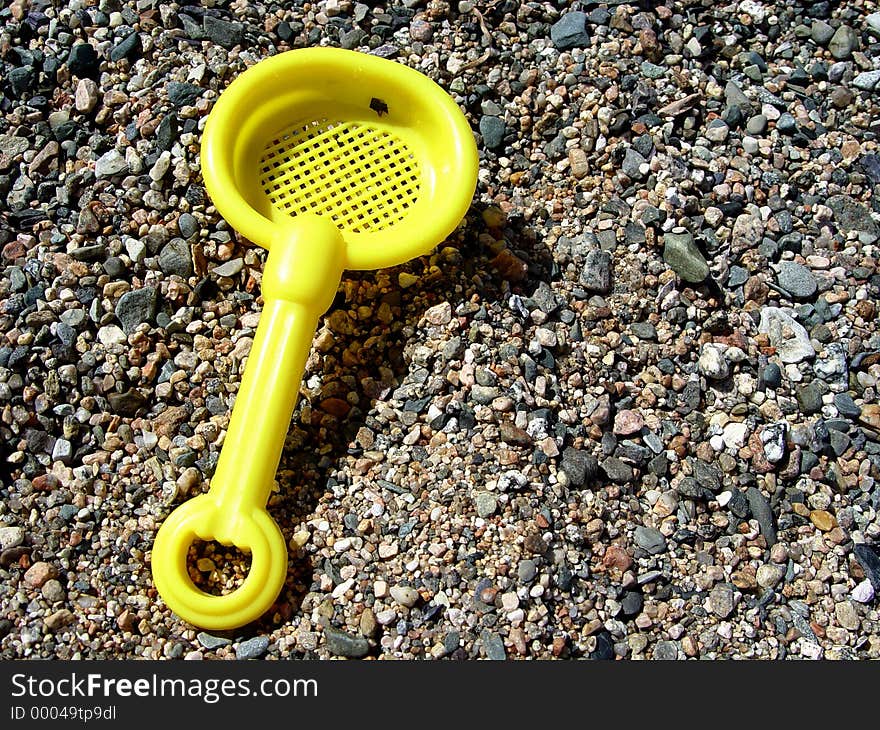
(330, 159)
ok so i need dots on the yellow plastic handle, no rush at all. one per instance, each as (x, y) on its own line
(300, 279)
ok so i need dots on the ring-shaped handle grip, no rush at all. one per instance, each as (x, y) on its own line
(253, 531)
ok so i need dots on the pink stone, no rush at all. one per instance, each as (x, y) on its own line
(628, 422)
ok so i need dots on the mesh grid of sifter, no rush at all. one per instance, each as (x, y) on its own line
(363, 177)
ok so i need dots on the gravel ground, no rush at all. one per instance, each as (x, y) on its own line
(628, 410)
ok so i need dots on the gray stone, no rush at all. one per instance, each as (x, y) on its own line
(187, 225)
(734, 96)
(618, 471)
(737, 276)
(492, 129)
(252, 648)
(527, 570)
(212, 642)
(854, 216)
(229, 268)
(644, 330)
(486, 504)
(788, 336)
(631, 165)
(809, 398)
(182, 94)
(579, 466)
(53, 591)
(867, 80)
(62, 451)
(757, 124)
(110, 163)
(484, 394)
(721, 601)
(175, 258)
(846, 406)
(712, 362)
(136, 306)
(665, 650)
(352, 39)
(344, 644)
(821, 32)
(839, 441)
(843, 43)
(683, 256)
(796, 279)
(596, 272)
(649, 539)
(11, 537)
(223, 32)
(570, 31)
(493, 646)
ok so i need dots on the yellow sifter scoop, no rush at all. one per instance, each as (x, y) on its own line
(331, 160)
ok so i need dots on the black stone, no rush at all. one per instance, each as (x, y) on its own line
(223, 32)
(738, 504)
(772, 375)
(846, 406)
(869, 559)
(809, 398)
(570, 31)
(22, 80)
(762, 512)
(181, 94)
(618, 471)
(166, 132)
(492, 130)
(284, 31)
(129, 47)
(604, 650)
(83, 60)
(127, 403)
(579, 466)
(631, 604)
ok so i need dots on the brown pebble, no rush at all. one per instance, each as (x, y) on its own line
(368, 624)
(59, 619)
(823, 520)
(511, 267)
(38, 574)
(616, 557)
(45, 482)
(535, 544)
(689, 646)
(870, 415)
(512, 434)
(126, 620)
(335, 407)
